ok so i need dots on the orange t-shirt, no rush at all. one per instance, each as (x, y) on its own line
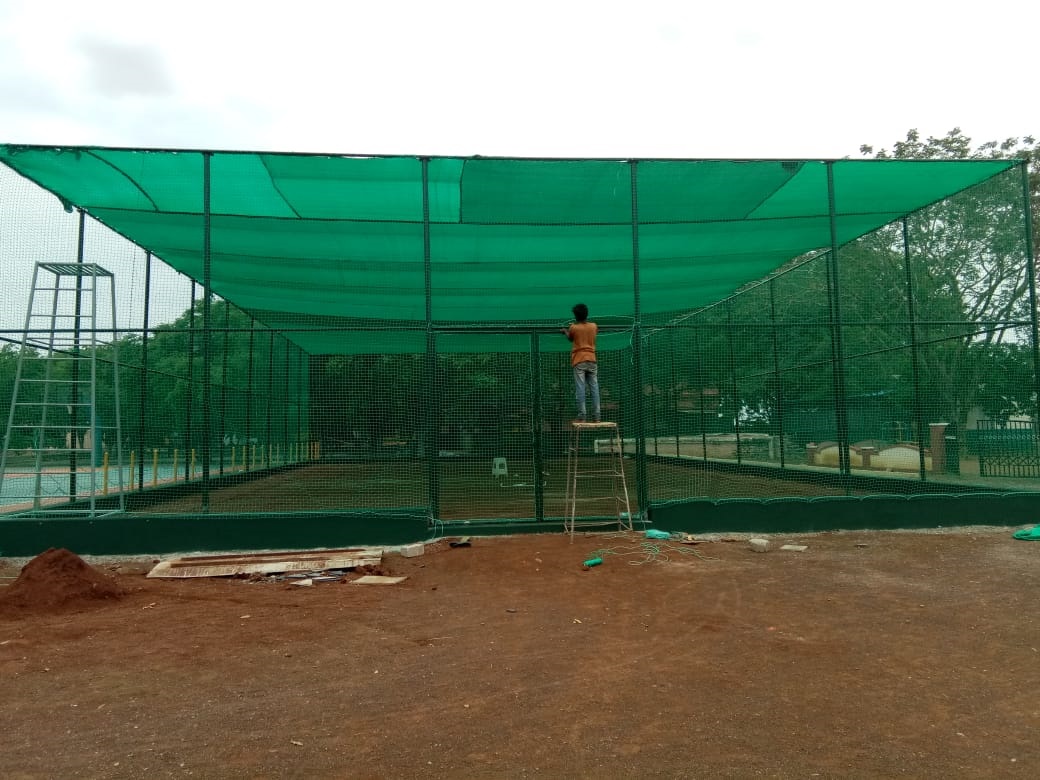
(583, 342)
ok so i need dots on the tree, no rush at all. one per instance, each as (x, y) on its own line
(968, 270)
(969, 283)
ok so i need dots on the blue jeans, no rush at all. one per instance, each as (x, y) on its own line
(585, 374)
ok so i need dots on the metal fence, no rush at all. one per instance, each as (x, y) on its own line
(848, 371)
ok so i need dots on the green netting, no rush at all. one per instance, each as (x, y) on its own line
(384, 330)
(908, 362)
(311, 243)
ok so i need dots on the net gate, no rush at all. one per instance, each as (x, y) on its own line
(317, 333)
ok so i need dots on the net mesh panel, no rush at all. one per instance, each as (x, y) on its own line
(258, 380)
(484, 413)
(932, 348)
(758, 367)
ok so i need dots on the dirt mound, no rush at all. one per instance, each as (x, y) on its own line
(58, 579)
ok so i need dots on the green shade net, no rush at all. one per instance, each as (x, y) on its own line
(355, 254)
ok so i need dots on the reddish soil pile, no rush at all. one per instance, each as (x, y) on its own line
(57, 579)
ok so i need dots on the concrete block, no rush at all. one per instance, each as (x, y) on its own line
(413, 550)
(759, 545)
(795, 547)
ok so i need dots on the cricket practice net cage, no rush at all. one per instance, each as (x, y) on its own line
(364, 339)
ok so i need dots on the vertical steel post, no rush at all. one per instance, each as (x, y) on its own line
(653, 397)
(270, 396)
(700, 400)
(842, 416)
(732, 366)
(675, 389)
(300, 368)
(1027, 205)
(143, 394)
(249, 391)
(779, 404)
(285, 402)
(642, 489)
(74, 377)
(536, 429)
(117, 396)
(189, 408)
(207, 325)
(95, 437)
(432, 403)
(915, 362)
(223, 381)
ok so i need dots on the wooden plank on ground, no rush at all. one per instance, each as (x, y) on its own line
(283, 554)
(267, 563)
(378, 579)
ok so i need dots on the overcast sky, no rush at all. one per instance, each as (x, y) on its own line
(539, 77)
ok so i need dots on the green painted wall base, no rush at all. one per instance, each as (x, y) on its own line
(147, 534)
(793, 515)
(151, 534)
(492, 527)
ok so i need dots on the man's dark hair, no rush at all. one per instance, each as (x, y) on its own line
(581, 312)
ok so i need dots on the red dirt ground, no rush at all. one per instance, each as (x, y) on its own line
(868, 655)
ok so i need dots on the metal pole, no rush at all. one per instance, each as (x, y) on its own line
(675, 391)
(223, 382)
(642, 489)
(1027, 206)
(93, 422)
(700, 399)
(207, 325)
(285, 401)
(914, 358)
(270, 395)
(143, 394)
(536, 429)
(653, 399)
(779, 404)
(299, 398)
(189, 408)
(74, 384)
(116, 392)
(49, 369)
(432, 404)
(249, 396)
(731, 360)
(842, 418)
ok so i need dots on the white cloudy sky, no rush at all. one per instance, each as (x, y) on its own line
(805, 78)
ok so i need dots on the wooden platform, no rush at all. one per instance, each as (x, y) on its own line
(267, 563)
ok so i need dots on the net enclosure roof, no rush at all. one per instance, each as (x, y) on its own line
(312, 243)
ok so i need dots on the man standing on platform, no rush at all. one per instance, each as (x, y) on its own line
(582, 335)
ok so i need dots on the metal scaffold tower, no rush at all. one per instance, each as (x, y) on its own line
(56, 453)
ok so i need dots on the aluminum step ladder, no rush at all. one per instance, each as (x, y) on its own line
(56, 449)
(596, 470)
